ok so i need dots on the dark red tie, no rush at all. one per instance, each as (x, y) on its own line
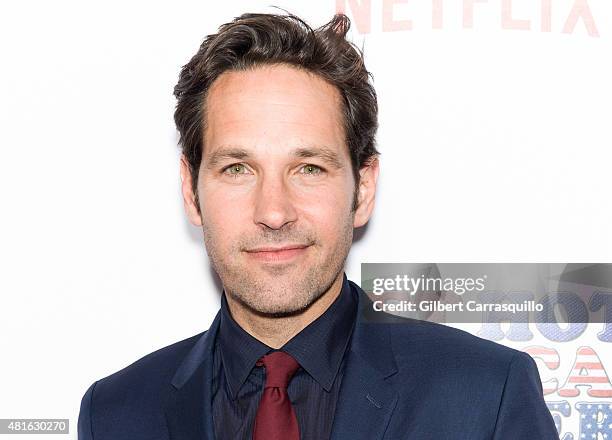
(275, 418)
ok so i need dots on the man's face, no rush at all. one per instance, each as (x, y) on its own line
(275, 174)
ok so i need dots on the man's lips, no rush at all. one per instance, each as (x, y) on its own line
(277, 253)
(277, 248)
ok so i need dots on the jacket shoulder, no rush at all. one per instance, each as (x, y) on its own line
(133, 393)
(450, 350)
(154, 367)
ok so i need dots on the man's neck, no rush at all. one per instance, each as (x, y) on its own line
(276, 331)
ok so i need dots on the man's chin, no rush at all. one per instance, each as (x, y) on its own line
(275, 305)
(278, 310)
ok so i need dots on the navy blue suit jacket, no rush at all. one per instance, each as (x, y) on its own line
(404, 379)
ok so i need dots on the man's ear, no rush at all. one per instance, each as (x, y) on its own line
(189, 202)
(366, 192)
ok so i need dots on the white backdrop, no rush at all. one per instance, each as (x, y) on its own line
(495, 143)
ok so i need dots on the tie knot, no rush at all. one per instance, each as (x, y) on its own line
(280, 368)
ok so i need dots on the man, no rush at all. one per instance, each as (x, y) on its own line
(277, 124)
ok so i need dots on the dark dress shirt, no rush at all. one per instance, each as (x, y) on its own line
(319, 349)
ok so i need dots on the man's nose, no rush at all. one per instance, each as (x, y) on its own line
(274, 206)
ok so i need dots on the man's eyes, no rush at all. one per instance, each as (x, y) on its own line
(234, 169)
(312, 169)
(238, 168)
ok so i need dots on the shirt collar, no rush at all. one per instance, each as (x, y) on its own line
(318, 348)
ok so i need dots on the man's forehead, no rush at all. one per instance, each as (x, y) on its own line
(273, 110)
(277, 91)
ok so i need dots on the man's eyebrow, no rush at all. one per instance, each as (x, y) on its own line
(326, 154)
(223, 153)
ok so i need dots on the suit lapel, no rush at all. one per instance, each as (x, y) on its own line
(188, 405)
(367, 394)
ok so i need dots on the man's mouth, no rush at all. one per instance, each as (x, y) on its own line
(283, 253)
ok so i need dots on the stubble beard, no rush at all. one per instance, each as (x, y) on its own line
(279, 290)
